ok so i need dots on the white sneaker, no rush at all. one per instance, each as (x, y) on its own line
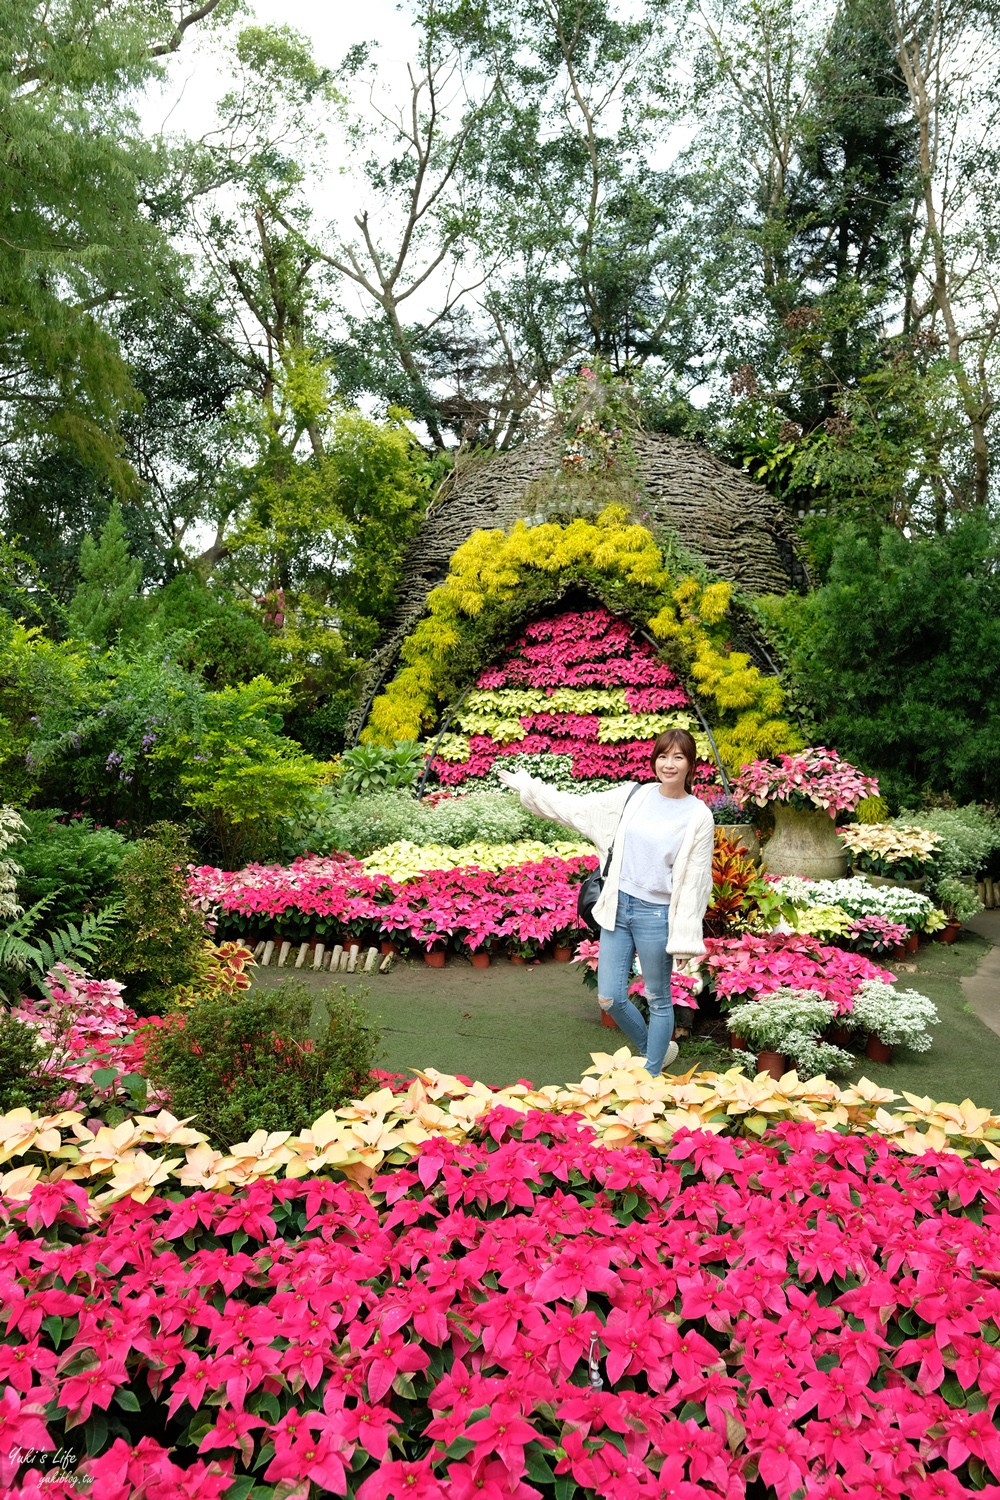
(672, 1052)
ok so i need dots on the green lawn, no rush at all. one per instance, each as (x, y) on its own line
(541, 1023)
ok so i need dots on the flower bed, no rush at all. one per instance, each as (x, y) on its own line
(513, 1311)
(756, 965)
(858, 899)
(579, 685)
(336, 898)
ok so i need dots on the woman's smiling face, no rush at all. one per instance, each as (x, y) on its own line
(671, 769)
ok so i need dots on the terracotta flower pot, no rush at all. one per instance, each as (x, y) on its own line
(878, 1051)
(738, 1043)
(480, 959)
(949, 932)
(518, 959)
(840, 1036)
(562, 954)
(608, 1021)
(388, 947)
(804, 842)
(434, 958)
(912, 942)
(772, 1063)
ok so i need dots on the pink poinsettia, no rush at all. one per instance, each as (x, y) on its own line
(808, 1311)
(87, 1027)
(754, 965)
(810, 778)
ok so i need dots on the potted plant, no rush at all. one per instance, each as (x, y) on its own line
(960, 901)
(891, 853)
(805, 791)
(892, 1018)
(786, 1027)
(523, 950)
(562, 944)
(732, 822)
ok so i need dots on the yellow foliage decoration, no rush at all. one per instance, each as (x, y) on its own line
(686, 615)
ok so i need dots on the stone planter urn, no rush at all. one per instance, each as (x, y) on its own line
(804, 842)
(909, 885)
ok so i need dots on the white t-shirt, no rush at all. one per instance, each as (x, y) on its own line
(652, 841)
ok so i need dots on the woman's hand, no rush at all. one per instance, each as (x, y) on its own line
(516, 780)
(687, 964)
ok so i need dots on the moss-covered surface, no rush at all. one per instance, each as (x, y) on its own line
(540, 1023)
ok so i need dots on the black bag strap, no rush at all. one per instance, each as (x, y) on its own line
(607, 863)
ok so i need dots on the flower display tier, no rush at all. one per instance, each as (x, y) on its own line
(859, 910)
(758, 964)
(579, 686)
(426, 902)
(750, 1296)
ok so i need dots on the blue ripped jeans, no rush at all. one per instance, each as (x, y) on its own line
(640, 928)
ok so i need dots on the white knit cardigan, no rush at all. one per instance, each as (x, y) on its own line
(596, 816)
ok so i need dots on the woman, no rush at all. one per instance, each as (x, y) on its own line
(657, 886)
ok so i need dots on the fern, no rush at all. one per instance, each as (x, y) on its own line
(26, 955)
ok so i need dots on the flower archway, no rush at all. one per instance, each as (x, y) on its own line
(499, 581)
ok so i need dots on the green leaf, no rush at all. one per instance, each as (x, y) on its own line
(240, 1489)
(104, 1077)
(53, 1326)
(127, 1400)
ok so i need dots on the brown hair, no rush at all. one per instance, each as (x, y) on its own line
(685, 744)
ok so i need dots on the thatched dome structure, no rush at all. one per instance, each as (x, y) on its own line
(737, 528)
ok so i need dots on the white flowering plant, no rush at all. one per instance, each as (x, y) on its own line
(911, 909)
(899, 1018)
(769, 1023)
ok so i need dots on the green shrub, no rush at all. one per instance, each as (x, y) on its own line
(252, 1064)
(958, 897)
(376, 768)
(898, 654)
(320, 730)
(236, 771)
(211, 634)
(359, 825)
(157, 943)
(353, 825)
(73, 863)
(20, 1085)
(970, 837)
(495, 817)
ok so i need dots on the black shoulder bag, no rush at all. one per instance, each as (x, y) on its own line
(590, 890)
